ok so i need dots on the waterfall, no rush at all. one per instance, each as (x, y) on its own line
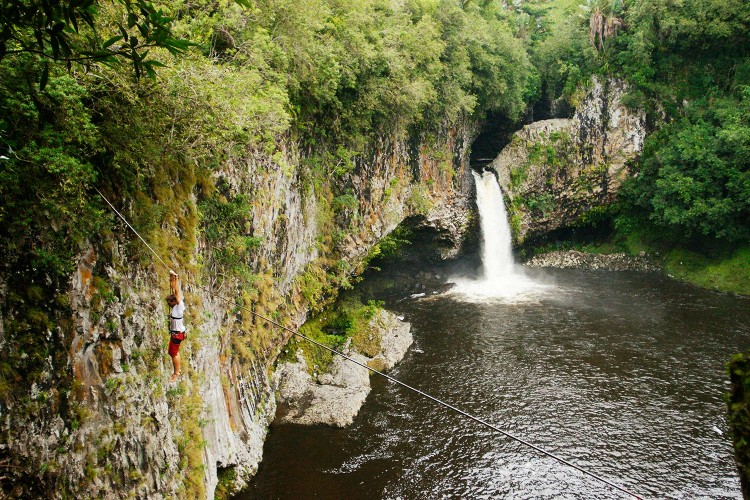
(501, 278)
(497, 255)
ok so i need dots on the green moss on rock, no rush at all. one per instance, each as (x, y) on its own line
(738, 401)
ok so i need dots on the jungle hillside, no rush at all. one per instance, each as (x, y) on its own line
(266, 148)
(116, 95)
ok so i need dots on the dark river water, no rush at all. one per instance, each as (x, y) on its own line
(622, 374)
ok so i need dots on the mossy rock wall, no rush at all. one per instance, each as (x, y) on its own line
(739, 416)
(554, 173)
(275, 237)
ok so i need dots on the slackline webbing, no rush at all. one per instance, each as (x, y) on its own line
(388, 377)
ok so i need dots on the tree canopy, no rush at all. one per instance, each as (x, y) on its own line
(689, 63)
(76, 32)
(336, 73)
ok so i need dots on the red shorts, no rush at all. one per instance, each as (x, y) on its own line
(174, 342)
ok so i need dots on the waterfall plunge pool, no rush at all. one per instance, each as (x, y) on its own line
(619, 373)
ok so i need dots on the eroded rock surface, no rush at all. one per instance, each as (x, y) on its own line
(555, 172)
(335, 397)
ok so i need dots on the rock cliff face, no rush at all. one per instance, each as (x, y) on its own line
(101, 419)
(104, 422)
(336, 397)
(554, 172)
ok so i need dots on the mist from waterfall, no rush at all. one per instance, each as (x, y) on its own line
(502, 278)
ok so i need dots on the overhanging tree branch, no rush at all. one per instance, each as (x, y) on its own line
(68, 32)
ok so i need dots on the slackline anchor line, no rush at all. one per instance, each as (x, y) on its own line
(388, 377)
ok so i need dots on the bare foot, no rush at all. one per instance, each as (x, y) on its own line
(174, 377)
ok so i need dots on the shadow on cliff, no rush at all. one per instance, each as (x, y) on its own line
(417, 266)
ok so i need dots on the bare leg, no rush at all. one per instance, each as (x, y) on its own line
(176, 363)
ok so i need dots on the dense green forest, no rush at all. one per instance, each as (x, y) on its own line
(329, 74)
(87, 91)
(150, 102)
(689, 64)
(688, 67)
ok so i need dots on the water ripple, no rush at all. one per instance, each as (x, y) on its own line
(622, 374)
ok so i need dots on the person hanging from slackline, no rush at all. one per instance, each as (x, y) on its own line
(176, 323)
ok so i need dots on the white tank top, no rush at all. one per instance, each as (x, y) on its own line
(176, 322)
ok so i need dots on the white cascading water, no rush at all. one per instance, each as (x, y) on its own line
(501, 278)
(497, 255)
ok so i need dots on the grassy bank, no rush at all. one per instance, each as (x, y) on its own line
(727, 274)
(333, 327)
(725, 269)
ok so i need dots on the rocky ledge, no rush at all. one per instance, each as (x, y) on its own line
(582, 260)
(335, 398)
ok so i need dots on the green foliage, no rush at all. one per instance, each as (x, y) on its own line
(227, 231)
(541, 153)
(599, 216)
(682, 46)
(738, 415)
(354, 68)
(485, 68)
(233, 109)
(711, 264)
(345, 202)
(49, 140)
(419, 201)
(314, 286)
(542, 203)
(560, 51)
(695, 174)
(348, 66)
(390, 244)
(226, 486)
(364, 334)
(317, 358)
(348, 318)
(675, 52)
(518, 175)
(73, 32)
(190, 441)
(723, 272)
(688, 64)
(336, 73)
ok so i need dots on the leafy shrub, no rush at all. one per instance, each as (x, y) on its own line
(695, 174)
(738, 401)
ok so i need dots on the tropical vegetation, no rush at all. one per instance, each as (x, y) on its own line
(334, 74)
(147, 101)
(688, 66)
